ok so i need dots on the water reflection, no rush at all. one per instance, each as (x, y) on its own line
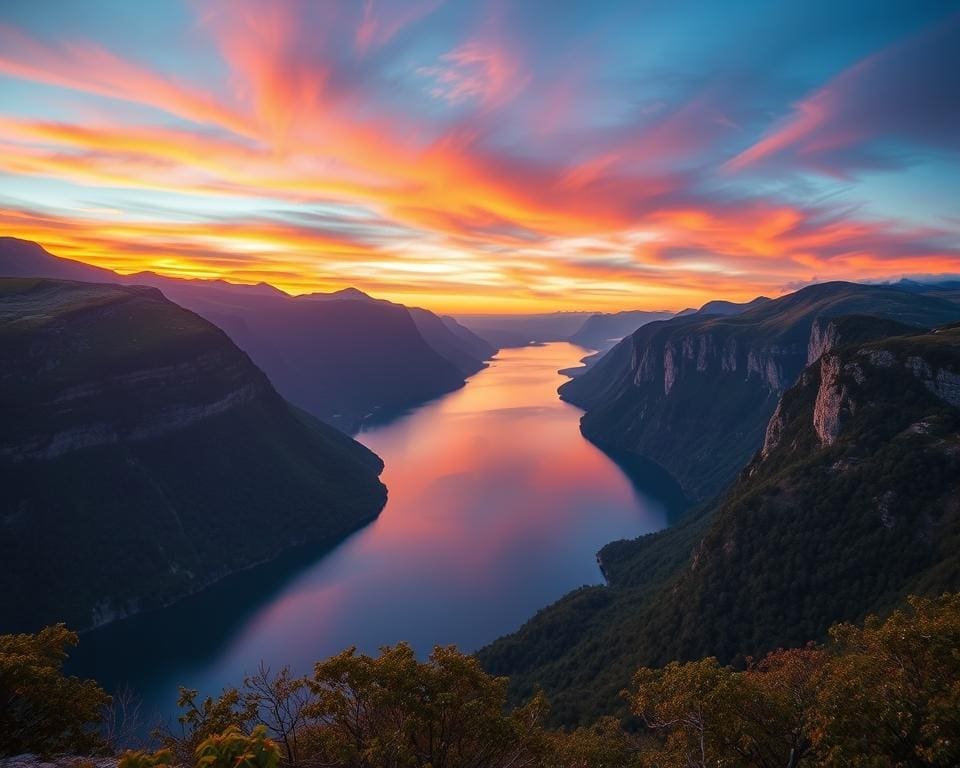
(496, 507)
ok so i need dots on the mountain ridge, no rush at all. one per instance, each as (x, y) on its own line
(144, 456)
(345, 357)
(655, 393)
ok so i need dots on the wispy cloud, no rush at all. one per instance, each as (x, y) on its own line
(483, 177)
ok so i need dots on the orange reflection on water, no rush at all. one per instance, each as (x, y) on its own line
(497, 507)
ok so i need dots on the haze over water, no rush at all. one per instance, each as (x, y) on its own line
(497, 506)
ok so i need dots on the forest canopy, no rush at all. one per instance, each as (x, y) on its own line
(884, 693)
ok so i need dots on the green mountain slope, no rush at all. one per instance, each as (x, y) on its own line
(852, 503)
(143, 456)
(694, 393)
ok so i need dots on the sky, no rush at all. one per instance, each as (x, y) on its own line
(492, 155)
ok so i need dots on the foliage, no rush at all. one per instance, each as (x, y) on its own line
(229, 748)
(279, 703)
(393, 710)
(706, 714)
(205, 718)
(140, 759)
(884, 694)
(892, 696)
(233, 749)
(41, 709)
(603, 744)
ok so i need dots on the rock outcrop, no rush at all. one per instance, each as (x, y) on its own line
(695, 393)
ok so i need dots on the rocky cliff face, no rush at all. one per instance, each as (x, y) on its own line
(143, 456)
(843, 382)
(698, 390)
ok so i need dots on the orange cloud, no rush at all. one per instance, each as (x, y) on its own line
(449, 219)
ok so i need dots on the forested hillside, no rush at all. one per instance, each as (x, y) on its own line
(143, 456)
(852, 502)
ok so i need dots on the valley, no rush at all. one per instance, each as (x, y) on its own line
(496, 507)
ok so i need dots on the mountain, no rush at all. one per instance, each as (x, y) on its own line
(23, 258)
(452, 341)
(603, 330)
(477, 347)
(521, 330)
(143, 456)
(851, 503)
(948, 289)
(722, 307)
(694, 393)
(344, 357)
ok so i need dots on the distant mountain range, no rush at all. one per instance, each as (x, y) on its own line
(850, 502)
(521, 330)
(601, 331)
(344, 357)
(143, 456)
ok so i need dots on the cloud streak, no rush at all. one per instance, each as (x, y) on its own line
(482, 181)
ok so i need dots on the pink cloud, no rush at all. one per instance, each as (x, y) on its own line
(478, 72)
(379, 24)
(905, 92)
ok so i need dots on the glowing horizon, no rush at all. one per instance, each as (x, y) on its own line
(485, 157)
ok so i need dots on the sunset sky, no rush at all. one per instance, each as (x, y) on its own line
(490, 155)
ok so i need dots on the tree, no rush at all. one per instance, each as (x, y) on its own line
(232, 749)
(279, 702)
(774, 705)
(393, 711)
(206, 718)
(229, 749)
(708, 715)
(41, 709)
(689, 707)
(603, 744)
(892, 693)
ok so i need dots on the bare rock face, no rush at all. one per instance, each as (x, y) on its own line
(695, 394)
(823, 338)
(943, 382)
(774, 433)
(833, 402)
(671, 368)
(946, 386)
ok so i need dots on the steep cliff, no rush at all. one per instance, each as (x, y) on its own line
(143, 455)
(853, 502)
(694, 393)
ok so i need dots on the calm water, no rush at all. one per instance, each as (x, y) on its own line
(497, 507)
